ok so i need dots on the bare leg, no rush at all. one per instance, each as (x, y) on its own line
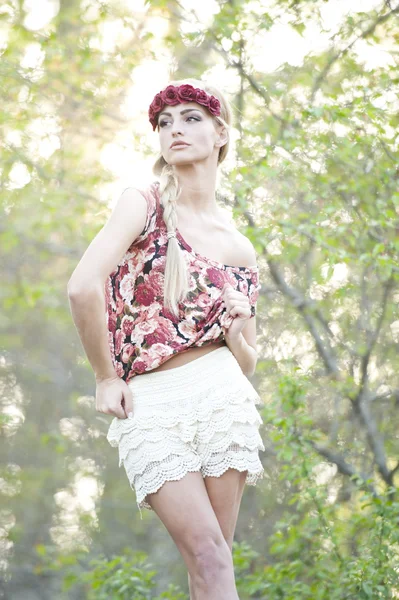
(214, 579)
(187, 513)
(225, 493)
(190, 588)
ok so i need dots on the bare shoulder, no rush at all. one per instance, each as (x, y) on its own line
(244, 249)
(247, 249)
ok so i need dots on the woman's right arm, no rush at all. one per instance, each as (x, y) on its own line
(87, 299)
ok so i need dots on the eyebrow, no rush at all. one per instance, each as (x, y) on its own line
(182, 112)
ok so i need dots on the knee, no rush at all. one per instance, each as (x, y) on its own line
(210, 557)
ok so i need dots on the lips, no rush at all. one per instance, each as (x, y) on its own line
(178, 144)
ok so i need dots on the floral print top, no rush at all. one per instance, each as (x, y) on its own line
(142, 332)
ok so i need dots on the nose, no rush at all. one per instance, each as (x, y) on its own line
(177, 127)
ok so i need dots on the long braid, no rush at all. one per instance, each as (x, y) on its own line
(176, 276)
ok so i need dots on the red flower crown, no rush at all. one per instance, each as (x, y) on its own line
(184, 93)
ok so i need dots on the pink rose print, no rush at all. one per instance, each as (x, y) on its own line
(108, 292)
(127, 324)
(255, 277)
(232, 279)
(119, 369)
(152, 311)
(139, 366)
(111, 343)
(119, 339)
(219, 278)
(127, 287)
(155, 280)
(243, 287)
(169, 315)
(196, 268)
(163, 332)
(159, 350)
(187, 329)
(111, 321)
(225, 319)
(159, 264)
(253, 296)
(212, 333)
(127, 351)
(216, 277)
(203, 300)
(124, 270)
(142, 329)
(144, 294)
(120, 305)
(175, 345)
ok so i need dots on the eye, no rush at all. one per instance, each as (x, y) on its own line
(163, 123)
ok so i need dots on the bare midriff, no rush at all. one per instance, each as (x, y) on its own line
(187, 356)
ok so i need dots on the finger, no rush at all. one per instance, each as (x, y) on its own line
(128, 404)
(237, 303)
(118, 411)
(240, 311)
(227, 289)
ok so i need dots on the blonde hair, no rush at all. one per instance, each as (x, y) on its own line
(176, 283)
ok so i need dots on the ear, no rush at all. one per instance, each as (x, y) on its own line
(222, 138)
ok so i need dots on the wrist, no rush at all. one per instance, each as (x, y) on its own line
(100, 377)
(235, 337)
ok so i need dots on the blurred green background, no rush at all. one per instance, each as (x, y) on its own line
(312, 179)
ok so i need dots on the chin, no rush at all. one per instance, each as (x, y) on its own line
(182, 161)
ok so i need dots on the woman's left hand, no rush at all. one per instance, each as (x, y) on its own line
(238, 307)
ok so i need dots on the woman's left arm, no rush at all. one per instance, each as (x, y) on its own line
(245, 354)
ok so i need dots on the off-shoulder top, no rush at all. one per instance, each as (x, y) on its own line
(142, 332)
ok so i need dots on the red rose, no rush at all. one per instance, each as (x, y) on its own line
(170, 95)
(157, 103)
(202, 97)
(187, 93)
(214, 106)
(155, 107)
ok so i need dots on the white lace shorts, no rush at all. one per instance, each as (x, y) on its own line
(200, 416)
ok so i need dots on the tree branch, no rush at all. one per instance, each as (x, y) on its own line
(361, 402)
(344, 467)
(337, 55)
(301, 303)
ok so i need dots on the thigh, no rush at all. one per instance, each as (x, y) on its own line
(225, 493)
(185, 510)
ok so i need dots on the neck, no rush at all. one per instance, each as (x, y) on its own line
(198, 189)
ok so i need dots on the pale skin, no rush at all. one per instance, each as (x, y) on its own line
(200, 513)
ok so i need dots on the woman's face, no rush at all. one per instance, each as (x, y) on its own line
(191, 123)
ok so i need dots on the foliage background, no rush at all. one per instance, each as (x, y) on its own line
(312, 180)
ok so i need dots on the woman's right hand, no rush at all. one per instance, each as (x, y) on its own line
(114, 397)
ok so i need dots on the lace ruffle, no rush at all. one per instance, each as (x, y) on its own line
(171, 468)
(188, 426)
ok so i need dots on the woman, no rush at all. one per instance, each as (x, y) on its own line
(173, 357)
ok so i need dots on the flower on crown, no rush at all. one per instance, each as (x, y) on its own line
(173, 95)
